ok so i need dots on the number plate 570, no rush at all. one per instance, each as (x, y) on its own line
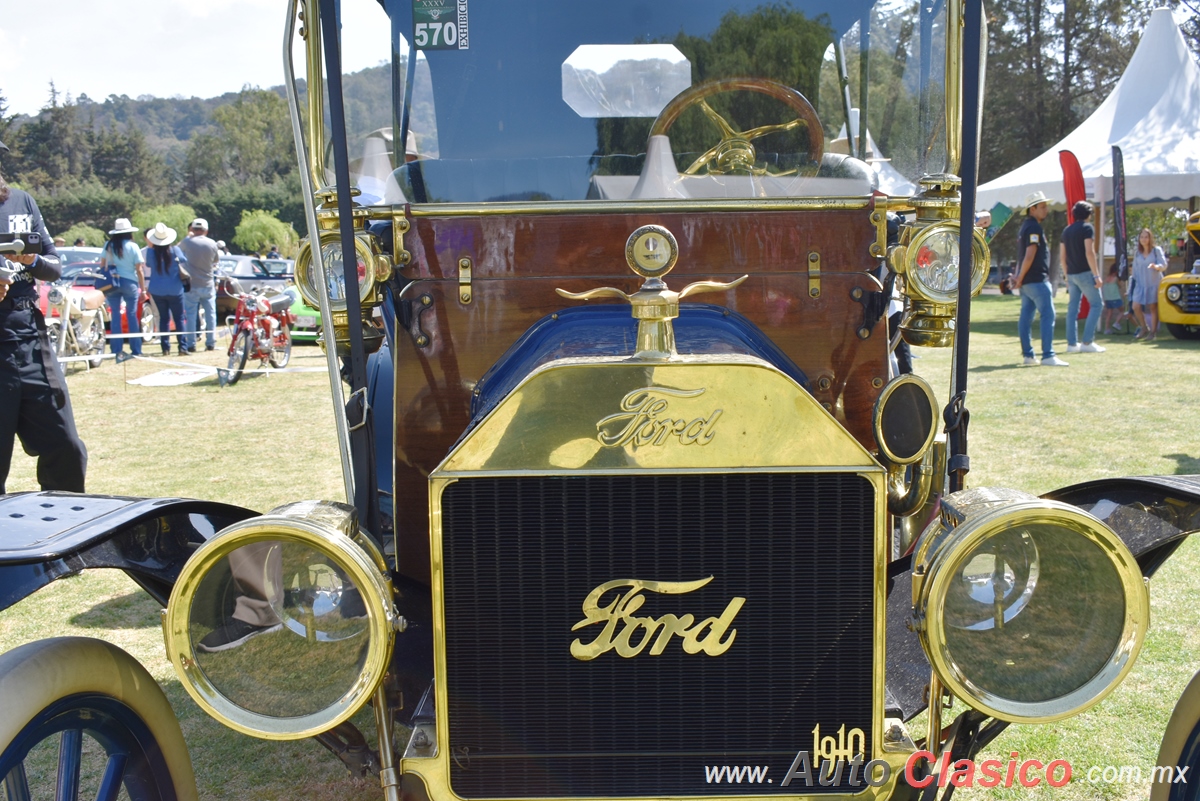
(440, 24)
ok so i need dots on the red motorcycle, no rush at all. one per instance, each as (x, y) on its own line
(261, 329)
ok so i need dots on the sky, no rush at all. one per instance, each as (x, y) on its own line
(164, 48)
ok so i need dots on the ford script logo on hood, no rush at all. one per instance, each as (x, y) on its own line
(644, 420)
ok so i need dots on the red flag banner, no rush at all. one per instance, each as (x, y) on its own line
(1075, 191)
(1072, 179)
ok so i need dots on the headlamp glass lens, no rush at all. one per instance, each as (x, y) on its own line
(331, 256)
(280, 629)
(936, 262)
(1033, 613)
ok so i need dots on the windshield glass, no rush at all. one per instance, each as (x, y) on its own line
(552, 101)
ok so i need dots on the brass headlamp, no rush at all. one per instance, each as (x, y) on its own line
(1030, 610)
(928, 258)
(282, 626)
(374, 268)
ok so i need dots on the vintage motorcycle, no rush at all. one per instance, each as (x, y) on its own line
(77, 320)
(260, 329)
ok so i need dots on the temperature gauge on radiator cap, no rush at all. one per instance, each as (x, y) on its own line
(651, 251)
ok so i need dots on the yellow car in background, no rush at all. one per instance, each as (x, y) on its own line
(1179, 294)
(1179, 304)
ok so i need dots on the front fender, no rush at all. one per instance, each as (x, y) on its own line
(49, 535)
(1153, 515)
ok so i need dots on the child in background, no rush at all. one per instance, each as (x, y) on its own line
(1110, 291)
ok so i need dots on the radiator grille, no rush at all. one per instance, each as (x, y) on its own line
(521, 554)
(1189, 303)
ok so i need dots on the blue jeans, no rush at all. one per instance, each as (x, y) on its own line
(205, 296)
(126, 290)
(170, 307)
(1082, 284)
(1037, 298)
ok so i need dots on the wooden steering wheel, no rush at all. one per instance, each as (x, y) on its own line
(735, 153)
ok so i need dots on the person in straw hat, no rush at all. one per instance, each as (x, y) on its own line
(168, 281)
(125, 260)
(34, 403)
(1033, 282)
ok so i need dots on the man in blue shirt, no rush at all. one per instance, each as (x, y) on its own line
(1078, 255)
(1033, 282)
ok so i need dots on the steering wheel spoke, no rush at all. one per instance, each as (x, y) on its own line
(727, 130)
(735, 153)
(766, 130)
(704, 159)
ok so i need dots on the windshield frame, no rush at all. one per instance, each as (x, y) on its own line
(406, 65)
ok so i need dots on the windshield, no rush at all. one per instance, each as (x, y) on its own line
(556, 101)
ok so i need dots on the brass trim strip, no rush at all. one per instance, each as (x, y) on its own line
(659, 471)
(316, 93)
(637, 207)
(954, 85)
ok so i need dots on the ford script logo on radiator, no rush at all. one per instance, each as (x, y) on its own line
(629, 635)
(643, 420)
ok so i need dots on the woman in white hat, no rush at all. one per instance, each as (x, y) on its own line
(126, 262)
(168, 282)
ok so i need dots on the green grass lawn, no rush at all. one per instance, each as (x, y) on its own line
(269, 440)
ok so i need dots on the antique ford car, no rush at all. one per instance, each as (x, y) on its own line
(637, 492)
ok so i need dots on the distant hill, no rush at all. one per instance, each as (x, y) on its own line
(169, 123)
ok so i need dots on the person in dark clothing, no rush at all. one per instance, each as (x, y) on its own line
(1033, 282)
(1078, 254)
(34, 404)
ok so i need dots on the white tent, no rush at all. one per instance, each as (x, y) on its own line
(891, 180)
(1153, 115)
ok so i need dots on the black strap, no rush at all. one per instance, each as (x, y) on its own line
(957, 461)
(362, 440)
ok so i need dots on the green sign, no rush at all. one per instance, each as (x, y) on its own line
(440, 25)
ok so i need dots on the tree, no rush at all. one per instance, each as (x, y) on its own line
(92, 237)
(125, 161)
(223, 205)
(176, 215)
(257, 133)
(5, 121)
(1049, 67)
(55, 148)
(260, 229)
(204, 164)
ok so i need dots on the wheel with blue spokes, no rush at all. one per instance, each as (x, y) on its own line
(84, 720)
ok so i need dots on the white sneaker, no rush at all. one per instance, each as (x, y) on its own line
(1031, 361)
(1091, 347)
(1073, 348)
(1054, 361)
